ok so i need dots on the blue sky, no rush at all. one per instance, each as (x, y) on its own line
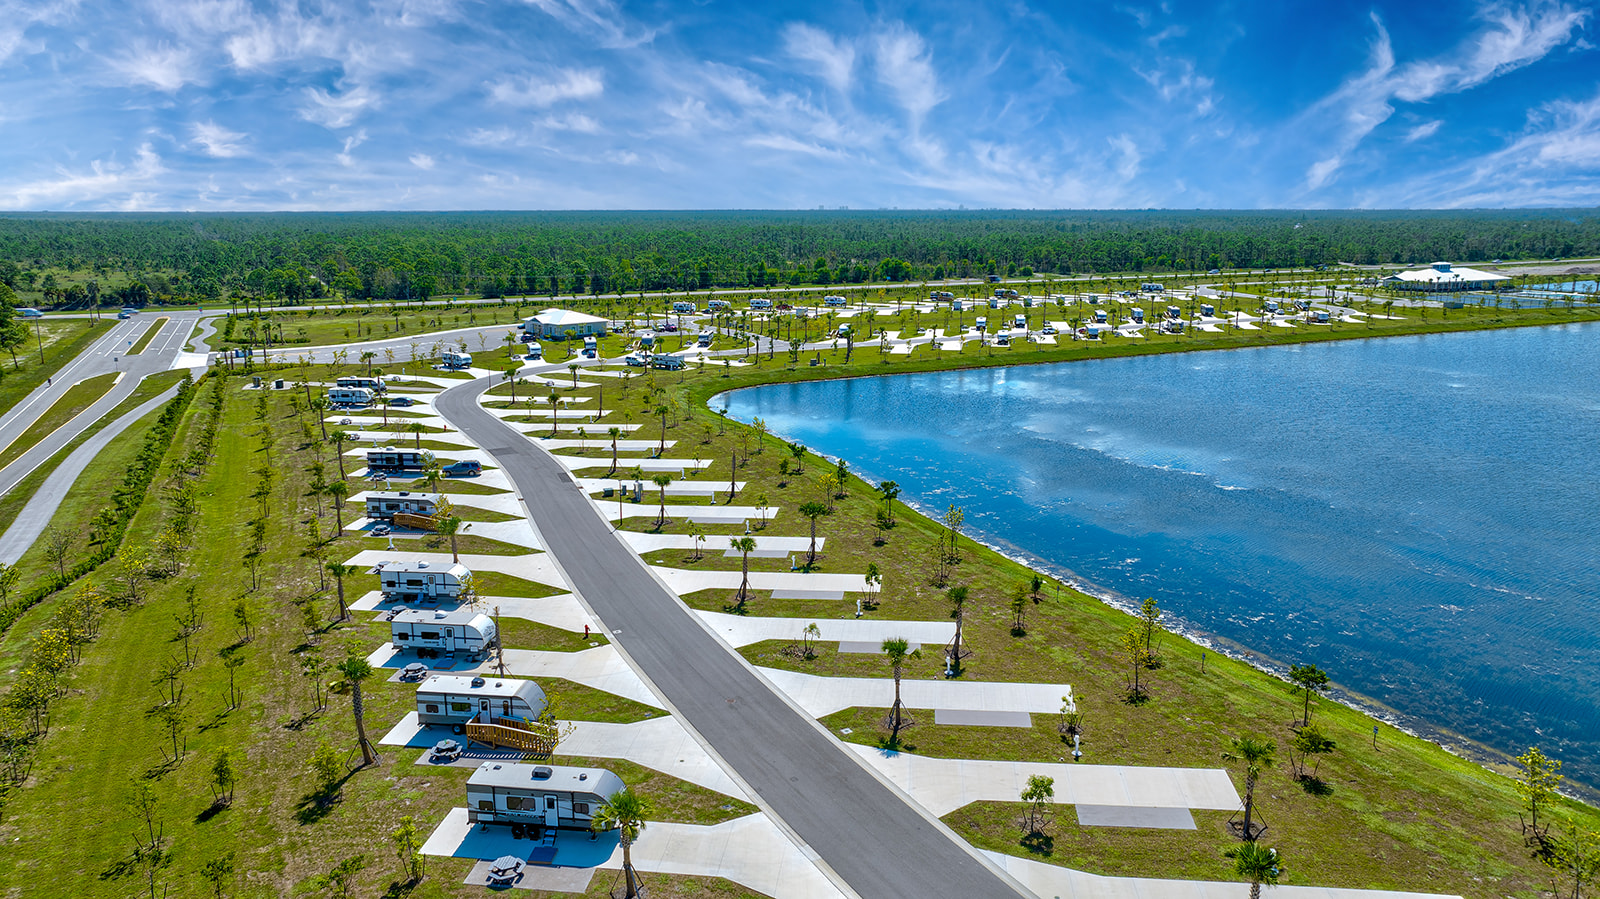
(603, 104)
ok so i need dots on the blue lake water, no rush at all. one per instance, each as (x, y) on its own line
(1414, 514)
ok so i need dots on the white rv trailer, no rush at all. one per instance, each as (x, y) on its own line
(390, 459)
(540, 797)
(383, 504)
(418, 582)
(349, 396)
(456, 699)
(464, 632)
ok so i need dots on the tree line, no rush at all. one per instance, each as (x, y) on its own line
(300, 256)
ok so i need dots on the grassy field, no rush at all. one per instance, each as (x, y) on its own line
(63, 341)
(1404, 814)
(78, 397)
(286, 831)
(149, 335)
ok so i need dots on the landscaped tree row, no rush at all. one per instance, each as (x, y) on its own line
(400, 256)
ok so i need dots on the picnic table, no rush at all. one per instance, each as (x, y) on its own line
(414, 671)
(505, 869)
(446, 749)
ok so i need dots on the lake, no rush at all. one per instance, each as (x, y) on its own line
(1416, 515)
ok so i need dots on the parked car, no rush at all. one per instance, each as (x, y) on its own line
(344, 421)
(464, 468)
(402, 401)
(1047, 329)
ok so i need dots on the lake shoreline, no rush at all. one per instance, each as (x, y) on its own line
(1413, 724)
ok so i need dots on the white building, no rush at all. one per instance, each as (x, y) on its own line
(1444, 276)
(555, 323)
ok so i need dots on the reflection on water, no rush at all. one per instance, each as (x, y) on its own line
(1413, 514)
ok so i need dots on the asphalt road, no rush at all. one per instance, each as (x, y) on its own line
(863, 829)
(104, 356)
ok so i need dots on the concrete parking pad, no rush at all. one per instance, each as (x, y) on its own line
(682, 581)
(1050, 880)
(601, 668)
(821, 696)
(944, 785)
(537, 877)
(742, 630)
(982, 718)
(1152, 816)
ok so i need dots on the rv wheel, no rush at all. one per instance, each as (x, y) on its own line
(457, 729)
(516, 832)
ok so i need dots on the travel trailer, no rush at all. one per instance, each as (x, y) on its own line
(375, 385)
(349, 396)
(455, 361)
(390, 460)
(430, 633)
(420, 582)
(383, 504)
(455, 699)
(533, 799)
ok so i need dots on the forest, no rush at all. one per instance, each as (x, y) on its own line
(68, 260)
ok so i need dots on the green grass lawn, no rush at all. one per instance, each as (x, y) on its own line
(149, 335)
(79, 397)
(283, 832)
(63, 341)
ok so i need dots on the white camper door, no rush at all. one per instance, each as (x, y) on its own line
(551, 819)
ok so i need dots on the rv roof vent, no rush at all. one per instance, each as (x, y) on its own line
(498, 684)
(478, 682)
(440, 614)
(422, 564)
(497, 767)
(405, 493)
(541, 772)
(583, 776)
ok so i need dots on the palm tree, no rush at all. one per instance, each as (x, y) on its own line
(616, 434)
(626, 811)
(889, 490)
(1257, 863)
(573, 367)
(340, 438)
(338, 490)
(746, 546)
(339, 570)
(383, 401)
(554, 401)
(897, 650)
(417, 428)
(355, 670)
(662, 411)
(813, 510)
(319, 405)
(662, 480)
(1256, 753)
(448, 527)
(367, 358)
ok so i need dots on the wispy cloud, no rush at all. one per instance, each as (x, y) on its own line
(422, 161)
(161, 66)
(536, 91)
(217, 141)
(833, 60)
(332, 110)
(106, 179)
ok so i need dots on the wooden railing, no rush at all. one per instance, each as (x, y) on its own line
(532, 738)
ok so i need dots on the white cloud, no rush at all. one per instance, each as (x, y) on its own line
(217, 141)
(833, 60)
(905, 67)
(350, 143)
(575, 121)
(1513, 38)
(1127, 156)
(163, 66)
(336, 110)
(531, 90)
(599, 19)
(103, 180)
(1424, 131)
(422, 161)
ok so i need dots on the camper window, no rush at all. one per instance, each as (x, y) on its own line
(514, 803)
(549, 802)
(485, 805)
(431, 708)
(505, 708)
(460, 706)
(429, 635)
(402, 636)
(580, 808)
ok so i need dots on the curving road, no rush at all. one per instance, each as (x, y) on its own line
(867, 833)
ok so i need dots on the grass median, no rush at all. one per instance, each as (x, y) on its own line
(78, 397)
(149, 335)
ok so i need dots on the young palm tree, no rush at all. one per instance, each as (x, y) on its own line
(339, 570)
(355, 670)
(573, 367)
(662, 480)
(1257, 755)
(449, 527)
(813, 511)
(1256, 863)
(417, 428)
(554, 400)
(338, 490)
(339, 439)
(897, 650)
(662, 411)
(626, 811)
(615, 434)
(746, 546)
(319, 405)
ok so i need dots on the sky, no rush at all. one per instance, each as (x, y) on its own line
(605, 104)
